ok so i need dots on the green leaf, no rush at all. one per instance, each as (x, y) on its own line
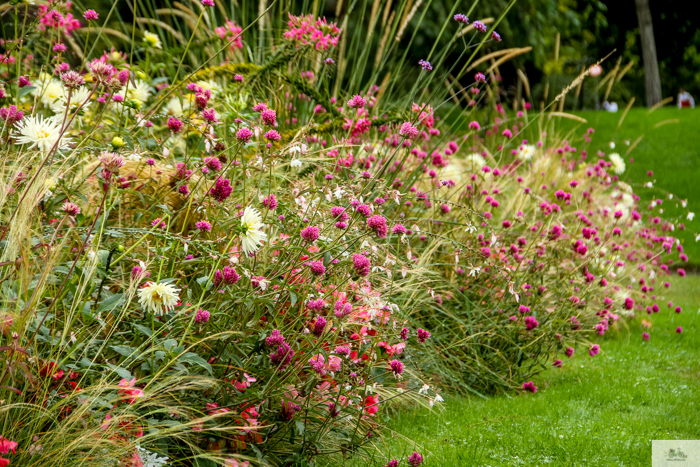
(169, 344)
(143, 330)
(26, 90)
(192, 357)
(124, 350)
(120, 371)
(301, 427)
(110, 303)
(293, 298)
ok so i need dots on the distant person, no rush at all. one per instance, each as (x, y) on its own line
(685, 99)
(610, 106)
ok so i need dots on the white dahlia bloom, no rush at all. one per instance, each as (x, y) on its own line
(141, 91)
(526, 152)
(618, 164)
(475, 161)
(158, 297)
(48, 89)
(39, 132)
(78, 97)
(252, 236)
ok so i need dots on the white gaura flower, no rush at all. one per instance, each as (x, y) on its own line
(618, 164)
(526, 152)
(690, 216)
(251, 235)
(295, 163)
(158, 297)
(475, 161)
(40, 132)
(152, 39)
(78, 97)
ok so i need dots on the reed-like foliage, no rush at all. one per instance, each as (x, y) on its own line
(232, 235)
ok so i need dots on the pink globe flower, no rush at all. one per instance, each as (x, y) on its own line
(310, 234)
(90, 15)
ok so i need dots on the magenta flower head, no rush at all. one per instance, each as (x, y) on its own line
(679, 330)
(361, 264)
(203, 225)
(569, 352)
(423, 335)
(72, 79)
(357, 102)
(316, 305)
(480, 78)
(244, 134)
(392, 463)
(408, 131)
(175, 125)
(460, 18)
(270, 202)
(424, 64)
(415, 459)
(208, 2)
(342, 309)
(202, 316)
(317, 268)
(59, 48)
(228, 275)
(629, 303)
(396, 367)
(269, 117)
(272, 135)
(71, 209)
(646, 336)
(310, 234)
(594, 350)
(530, 387)
(531, 323)
(479, 26)
(222, 189)
(23, 81)
(474, 126)
(282, 357)
(90, 15)
(378, 224)
(398, 229)
(495, 36)
(319, 326)
(557, 363)
(276, 338)
(238, 78)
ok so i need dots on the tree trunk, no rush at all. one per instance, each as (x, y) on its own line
(652, 80)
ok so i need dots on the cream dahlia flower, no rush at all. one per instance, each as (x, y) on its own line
(251, 236)
(158, 297)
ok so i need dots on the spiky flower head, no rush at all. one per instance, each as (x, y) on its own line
(158, 297)
(251, 234)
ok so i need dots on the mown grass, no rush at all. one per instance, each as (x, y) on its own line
(601, 411)
(668, 147)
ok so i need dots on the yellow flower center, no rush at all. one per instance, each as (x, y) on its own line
(41, 134)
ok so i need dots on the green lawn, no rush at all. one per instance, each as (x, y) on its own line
(671, 151)
(600, 411)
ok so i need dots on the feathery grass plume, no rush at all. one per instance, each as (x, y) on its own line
(232, 263)
(660, 104)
